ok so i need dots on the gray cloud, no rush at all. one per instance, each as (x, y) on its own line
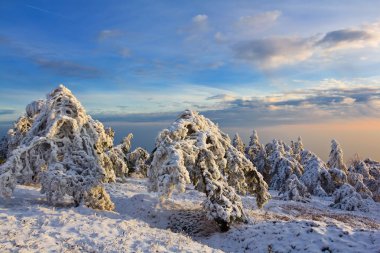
(346, 35)
(7, 111)
(275, 52)
(68, 68)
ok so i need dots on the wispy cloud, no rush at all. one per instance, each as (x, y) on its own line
(45, 11)
(7, 111)
(68, 68)
(109, 34)
(276, 52)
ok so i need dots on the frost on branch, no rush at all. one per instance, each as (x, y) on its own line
(316, 176)
(183, 150)
(58, 145)
(293, 189)
(238, 143)
(282, 164)
(336, 157)
(346, 198)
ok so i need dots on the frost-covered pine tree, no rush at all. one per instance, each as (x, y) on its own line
(59, 146)
(336, 157)
(297, 148)
(256, 153)
(254, 146)
(282, 164)
(194, 150)
(137, 161)
(293, 189)
(238, 143)
(346, 198)
(316, 177)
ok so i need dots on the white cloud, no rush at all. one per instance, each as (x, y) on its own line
(260, 20)
(200, 19)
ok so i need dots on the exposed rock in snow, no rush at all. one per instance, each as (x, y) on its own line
(282, 164)
(336, 157)
(238, 143)
(346, 198)
(316, 176)
(58, 145)
(293, 189)
(182, 155)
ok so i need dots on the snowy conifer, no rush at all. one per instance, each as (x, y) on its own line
(256, 153)
(293, 189)
(316, 176)
(238, 143)
(336, 157)
(297, 148)
(58, 145)
(193, 149)
(137, 161)
(346, 198)
(282, 164)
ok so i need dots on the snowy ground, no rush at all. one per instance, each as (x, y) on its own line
(141, 224)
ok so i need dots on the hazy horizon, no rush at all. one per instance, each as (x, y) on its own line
(287, 69)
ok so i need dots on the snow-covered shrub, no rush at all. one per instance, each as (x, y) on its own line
(238, 143)
(293, 189)
(193, 149)
(357, 181)
(58, 145)
(336, 157)
(137, 161)
(338, 177)
(282, 164)
(316, 177)
(118, 158)
(346, 198)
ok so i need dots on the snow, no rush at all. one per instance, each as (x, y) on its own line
(140, 223)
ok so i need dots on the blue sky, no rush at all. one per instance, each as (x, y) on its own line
(245, 64)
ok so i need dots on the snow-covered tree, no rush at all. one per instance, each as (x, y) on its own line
(282, 164)
(357, 181)
(59, 146)
(137, 161)
(293, 189)
(193, 149)
(254, 146)
(297, 147)
(336, 157)
(238, 143)
(256, 153)
(346, 198)
(338, 177)
(316, 177)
